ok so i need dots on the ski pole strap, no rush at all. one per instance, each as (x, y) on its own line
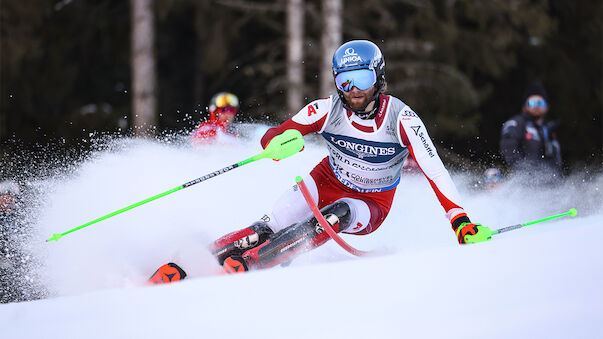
(572, 212)
(321, 219)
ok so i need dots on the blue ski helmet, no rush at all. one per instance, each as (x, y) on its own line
(356, 55)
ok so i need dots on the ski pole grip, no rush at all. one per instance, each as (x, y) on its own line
(284, 145)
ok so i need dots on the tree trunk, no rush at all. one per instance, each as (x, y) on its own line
(144, 100)
(295, 70)
(201, 8)
(330, 40)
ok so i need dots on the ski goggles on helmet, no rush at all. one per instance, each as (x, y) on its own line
(224, 100)
(361, 78)
(536, 102)
(492, 177)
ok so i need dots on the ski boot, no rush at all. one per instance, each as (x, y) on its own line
(235, 243)
(281, 247)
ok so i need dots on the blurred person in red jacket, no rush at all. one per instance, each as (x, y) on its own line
(222, 111)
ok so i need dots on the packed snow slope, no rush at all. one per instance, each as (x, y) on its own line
(542, 281)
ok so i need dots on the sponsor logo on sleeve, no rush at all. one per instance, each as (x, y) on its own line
(426, 145)
(407, 112)
(312, 109)
(421, 136)
(416, 129)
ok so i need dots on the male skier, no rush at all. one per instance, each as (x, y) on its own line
(369, 135)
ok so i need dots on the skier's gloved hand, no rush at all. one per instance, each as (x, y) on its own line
(283, 145)
(468, 232)
(471, 233)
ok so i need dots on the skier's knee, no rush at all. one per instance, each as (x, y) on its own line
(357, 217)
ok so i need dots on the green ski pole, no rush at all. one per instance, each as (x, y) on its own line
(572, 212)
(280, 147)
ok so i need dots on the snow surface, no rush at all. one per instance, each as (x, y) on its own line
(542, 281)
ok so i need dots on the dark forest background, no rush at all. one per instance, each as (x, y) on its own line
(462, 65)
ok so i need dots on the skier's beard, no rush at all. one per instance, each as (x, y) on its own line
(357, 98)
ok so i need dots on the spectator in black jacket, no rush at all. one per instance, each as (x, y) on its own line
(528, 142)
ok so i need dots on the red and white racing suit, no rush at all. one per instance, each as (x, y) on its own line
(364, 163)
(208, 131)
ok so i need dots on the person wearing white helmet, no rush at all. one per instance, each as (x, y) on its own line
(369, 135)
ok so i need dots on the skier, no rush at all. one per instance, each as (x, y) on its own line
(528, 143)
(369, 135)
(222, 110)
